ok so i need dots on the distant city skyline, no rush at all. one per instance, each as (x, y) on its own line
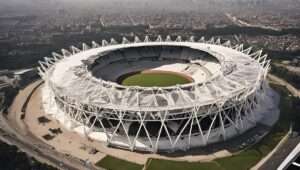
(38, 6)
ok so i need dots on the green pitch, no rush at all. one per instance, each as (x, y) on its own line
(154, 79)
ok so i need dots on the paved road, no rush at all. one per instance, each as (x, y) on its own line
(12, 131)
(294, 91)
(282, 152)
(40, 153)
(277, 158)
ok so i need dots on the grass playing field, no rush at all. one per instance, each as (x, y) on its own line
(112, 163)
(149, 79)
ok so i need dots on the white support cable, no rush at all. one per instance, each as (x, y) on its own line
(95, 44)
(235, 47)
(190, 131)
(222, 124)
(219, 90)
(247, 51)
(192, 39)
(266, 69)
(218, 41)
(210, 127)
(168, 38)
(147, 39)
(149, 138)
(43, 66)
(211, 40)
(263, 59)
(125, 41)
(54, 54)
(75, 50)
(138, 131)
(159, 39)
(160, 130)
(120, 116)
(137, 39)
(170, 99)
(163, 124)
(103, 127)
(231, 121)
(197, 91)
(55, 59)
(227, 44)
(104, 43)
(250, 118)
(40, 72)
(49, 60)
(240, 47)
(90, 126)
(207, 90)
(85, 47)
(239, 108)
(181, 131)
(184, 95)
(126, 132)
(202, 40)
(178, 39)
(153, 97)
(113, 41)
(229, 84)
(199, 127)
(256, 55)
(66, 53)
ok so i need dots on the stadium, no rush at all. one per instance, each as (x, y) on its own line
(159, 95)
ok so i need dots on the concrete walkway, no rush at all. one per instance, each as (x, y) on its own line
(295, 92)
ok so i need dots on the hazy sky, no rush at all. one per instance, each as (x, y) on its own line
(77, 5)
(44, 6)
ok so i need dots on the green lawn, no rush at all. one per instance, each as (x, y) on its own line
(112, 163)
(154, 79)
(242, 161)
(158, 164)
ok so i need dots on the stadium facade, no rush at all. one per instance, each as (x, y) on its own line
(229, 93)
